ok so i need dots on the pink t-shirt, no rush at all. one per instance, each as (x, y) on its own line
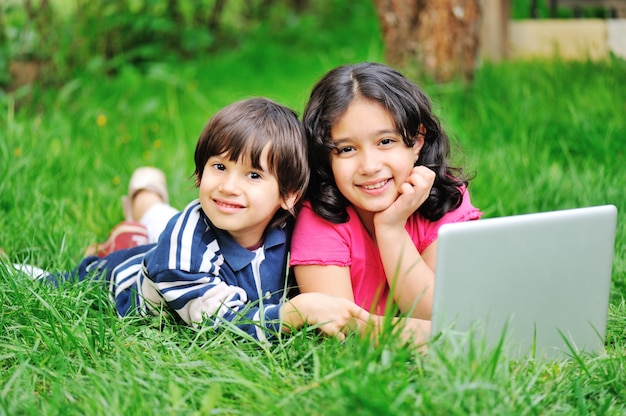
(316, 241)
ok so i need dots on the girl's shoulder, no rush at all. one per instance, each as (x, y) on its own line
(466, 211)
(307, 218)
(424, 231)
(313, 230)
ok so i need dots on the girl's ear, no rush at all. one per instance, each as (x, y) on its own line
(419, 141)
(288, 202)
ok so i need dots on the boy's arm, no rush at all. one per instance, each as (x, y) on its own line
(198, 297)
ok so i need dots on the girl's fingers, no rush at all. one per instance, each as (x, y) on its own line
(406, 188)
(359, 321)
(422, 176)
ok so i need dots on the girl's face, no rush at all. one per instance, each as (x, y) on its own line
(371, 161)
(240, 199)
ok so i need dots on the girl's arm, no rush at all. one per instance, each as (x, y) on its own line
(335, 316)
(335, 281)
(410, 275)
(329, 279)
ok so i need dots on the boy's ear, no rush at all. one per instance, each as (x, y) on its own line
(288, 202)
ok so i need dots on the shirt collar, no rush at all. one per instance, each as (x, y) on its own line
(237, 256)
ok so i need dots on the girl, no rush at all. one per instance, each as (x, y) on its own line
(380, 188)
(223, 258)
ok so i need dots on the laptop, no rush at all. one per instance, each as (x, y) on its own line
(540, 282)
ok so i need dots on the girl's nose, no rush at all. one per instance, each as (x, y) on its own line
(370, 162)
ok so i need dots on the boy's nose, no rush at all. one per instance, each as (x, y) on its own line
(230, 184)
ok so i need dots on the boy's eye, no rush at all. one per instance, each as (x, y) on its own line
(255, 175)
(219, 166)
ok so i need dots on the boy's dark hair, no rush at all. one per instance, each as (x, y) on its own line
(409, 108)
(243, 129)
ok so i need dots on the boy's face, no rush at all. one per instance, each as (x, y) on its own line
(238, 198)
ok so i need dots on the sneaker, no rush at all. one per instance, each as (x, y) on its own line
(33, 272)
(27, 269)
(126, 234)
(144, 178)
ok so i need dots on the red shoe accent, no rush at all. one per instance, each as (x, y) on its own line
(126, 234)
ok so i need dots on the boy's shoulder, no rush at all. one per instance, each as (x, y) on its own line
(191, 220)
(192, 206)
(192, 210)
(184, 242)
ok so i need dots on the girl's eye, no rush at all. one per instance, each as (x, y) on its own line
(255, 175)
(387, 140)
(219, 166)
(345, 150)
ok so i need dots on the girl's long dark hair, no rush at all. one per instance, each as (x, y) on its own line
(409, 107)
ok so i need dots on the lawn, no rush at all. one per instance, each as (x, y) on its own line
(540, 136)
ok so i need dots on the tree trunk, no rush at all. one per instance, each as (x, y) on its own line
(441, 37)
(216, 14)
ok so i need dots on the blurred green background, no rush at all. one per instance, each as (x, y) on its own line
(121, 84)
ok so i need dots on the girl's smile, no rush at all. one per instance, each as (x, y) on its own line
(375, 186)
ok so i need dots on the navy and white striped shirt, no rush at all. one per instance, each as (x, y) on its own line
(202, 274)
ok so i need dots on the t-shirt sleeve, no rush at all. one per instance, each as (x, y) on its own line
(316, 241)
(465, 212)
(197, 298)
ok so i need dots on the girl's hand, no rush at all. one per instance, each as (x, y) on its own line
(333, 315)
(412, 195)
(416, 332)
(413, 331)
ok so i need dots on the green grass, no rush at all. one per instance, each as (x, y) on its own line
(539, 135)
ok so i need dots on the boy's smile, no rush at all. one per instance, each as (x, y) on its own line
(227, 207)
(238, 198)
